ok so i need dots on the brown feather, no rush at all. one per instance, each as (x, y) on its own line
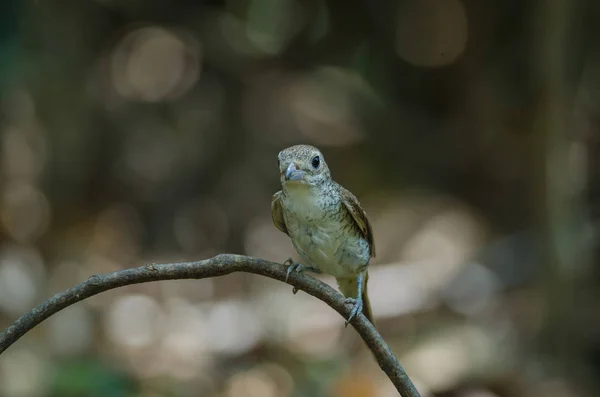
(360, 217)
(277, 212)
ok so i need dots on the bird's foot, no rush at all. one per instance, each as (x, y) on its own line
(293, 267)
(298, 268)
(357, 308)
(288, 261)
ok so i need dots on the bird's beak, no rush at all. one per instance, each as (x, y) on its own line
(292, 173)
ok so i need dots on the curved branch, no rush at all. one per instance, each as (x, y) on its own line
(218, 266)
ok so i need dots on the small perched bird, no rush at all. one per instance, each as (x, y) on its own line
(326, 224)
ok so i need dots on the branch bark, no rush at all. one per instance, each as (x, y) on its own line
(219, 265)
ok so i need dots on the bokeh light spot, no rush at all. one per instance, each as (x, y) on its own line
(271, 24)
(134, 320)
(154, 64)
(253, 383)
(25, 211)
(71, 330)
(22, 374)
(431, 33)
(234, 327)
(325, 106)
(21, 272)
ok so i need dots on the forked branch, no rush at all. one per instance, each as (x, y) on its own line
(218, 266)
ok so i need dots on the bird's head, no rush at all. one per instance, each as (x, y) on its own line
(303, 165)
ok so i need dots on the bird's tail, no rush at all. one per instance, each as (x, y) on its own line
(349, 287)
(366, 302)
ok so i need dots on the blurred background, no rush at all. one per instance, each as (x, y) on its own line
(148, 131)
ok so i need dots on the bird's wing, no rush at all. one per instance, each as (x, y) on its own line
(277, 212)
(360, 217)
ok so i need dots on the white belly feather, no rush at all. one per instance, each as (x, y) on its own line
(320, 239)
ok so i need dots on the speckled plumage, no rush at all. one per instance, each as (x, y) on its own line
(327, 226)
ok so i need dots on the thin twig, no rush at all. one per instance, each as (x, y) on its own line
(218, 266)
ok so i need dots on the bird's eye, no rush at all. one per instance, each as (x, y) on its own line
(315, 162)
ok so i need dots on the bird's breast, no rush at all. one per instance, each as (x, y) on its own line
(324, 235)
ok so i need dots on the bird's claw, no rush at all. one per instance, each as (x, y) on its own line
(293, 267)
(298, 268)
(288, 261)
(358, 304)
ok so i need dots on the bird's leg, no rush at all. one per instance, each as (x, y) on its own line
(357, 302)
(298, 268)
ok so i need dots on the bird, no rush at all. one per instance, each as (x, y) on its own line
(326, 224)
